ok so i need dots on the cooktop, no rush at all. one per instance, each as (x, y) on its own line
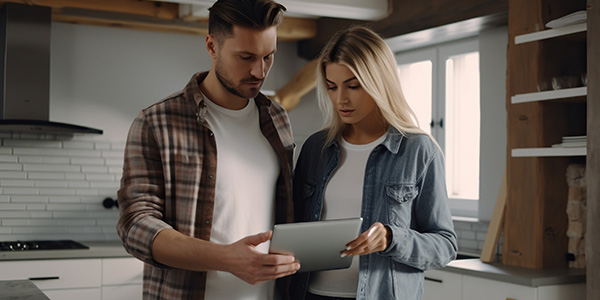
(40, 245)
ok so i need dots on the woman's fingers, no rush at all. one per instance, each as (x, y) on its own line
(375, 239)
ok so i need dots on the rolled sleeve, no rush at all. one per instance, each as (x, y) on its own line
(141, 196)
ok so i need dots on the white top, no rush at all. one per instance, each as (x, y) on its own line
(343, 199)
(247, 171)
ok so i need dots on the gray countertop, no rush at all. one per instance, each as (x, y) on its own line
(20, 290)
(516, 275)
(96, 250)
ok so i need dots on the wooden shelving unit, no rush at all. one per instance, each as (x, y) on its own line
(550, 33)
(535, 220)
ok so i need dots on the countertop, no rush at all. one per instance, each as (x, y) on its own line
(21, 290)
(516, 275)
(96, 250)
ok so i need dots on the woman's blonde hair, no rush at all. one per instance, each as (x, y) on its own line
(371, 60)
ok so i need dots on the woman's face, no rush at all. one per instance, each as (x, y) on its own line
(352, 103)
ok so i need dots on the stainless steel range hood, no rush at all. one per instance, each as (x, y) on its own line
(25, 72)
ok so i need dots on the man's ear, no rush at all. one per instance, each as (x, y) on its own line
(211, 45)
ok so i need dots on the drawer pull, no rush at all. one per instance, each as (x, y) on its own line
(433, 279)
(44, 278)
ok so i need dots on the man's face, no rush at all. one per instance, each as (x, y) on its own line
(243, 60)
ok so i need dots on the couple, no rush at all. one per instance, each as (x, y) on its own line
(208, 171)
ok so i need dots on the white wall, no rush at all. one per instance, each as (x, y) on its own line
(52, 187)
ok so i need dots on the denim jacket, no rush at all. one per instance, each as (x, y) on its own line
(404, 189)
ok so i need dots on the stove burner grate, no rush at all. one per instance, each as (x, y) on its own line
(41, 245)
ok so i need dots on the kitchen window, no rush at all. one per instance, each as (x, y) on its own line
(441, 84)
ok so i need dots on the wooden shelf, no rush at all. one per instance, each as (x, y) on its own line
(549, 95)
(550, 33)
(548, 152)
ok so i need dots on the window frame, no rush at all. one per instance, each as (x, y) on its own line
(438, 54)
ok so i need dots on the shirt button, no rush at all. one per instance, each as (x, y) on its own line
(211, 176)
(211, 134)
(207, 222)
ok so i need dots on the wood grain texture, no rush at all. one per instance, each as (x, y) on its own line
(495, 228)
(535, 218)
(592, 247)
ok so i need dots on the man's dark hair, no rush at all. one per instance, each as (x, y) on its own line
(254, 14)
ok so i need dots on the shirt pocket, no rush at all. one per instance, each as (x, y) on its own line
(399, 200)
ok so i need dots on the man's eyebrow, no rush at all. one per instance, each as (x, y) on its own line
(254, 54)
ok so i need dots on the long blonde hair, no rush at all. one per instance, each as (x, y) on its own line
(371, 60)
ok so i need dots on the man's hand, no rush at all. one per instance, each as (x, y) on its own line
(375, 239)
(252, 266)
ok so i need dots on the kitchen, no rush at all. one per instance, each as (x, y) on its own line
(53, 186)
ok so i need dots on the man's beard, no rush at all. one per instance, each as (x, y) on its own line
(229, 85)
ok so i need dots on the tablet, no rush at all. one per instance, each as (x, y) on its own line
(316, 245)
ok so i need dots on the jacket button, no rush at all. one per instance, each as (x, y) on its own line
(211, 134)
(211, 176)
(207, 222)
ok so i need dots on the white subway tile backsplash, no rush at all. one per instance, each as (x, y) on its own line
(8, 158)
(64, 199)
(105, 185)
(29, 199)
(58, 191)
(5, 150)
(86, 192)
(20, 191)
(51, 168)
(112, 154)
(84, 153)
(74, 176)
(4, 198)
(87, 161)
(13, 175)
(78, 145)
(100, 177)
(41, 214)
(63, 207)
(10, 167)
(11, 206)
(45, 175)
(102, 146)
(30, 159)
(51, 183)
(32, 143)
(36, 207)
(78, 184)
(118, 146)
(76, 222)
(94, 169)
(15, 183)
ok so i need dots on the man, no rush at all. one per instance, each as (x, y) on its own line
(208, 170)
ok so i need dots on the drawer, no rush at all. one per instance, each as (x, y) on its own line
(54, 274)
(442, 285)
(122, 271)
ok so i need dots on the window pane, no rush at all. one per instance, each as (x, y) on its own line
(462, 126)
(415, 80)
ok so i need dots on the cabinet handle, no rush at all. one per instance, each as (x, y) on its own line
(44, 278)
(433, 279)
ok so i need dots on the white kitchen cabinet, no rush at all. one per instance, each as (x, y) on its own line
(63, 279)
(452, 286)
(478, 288)
(122, 278)
(442, 285)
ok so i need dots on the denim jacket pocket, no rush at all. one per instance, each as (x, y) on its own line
(400, 197)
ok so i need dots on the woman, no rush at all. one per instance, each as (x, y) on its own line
(372, 161)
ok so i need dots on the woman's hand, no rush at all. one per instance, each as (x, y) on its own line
(377, 238)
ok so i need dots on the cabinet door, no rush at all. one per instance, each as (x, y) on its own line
(563, 291)
(442, 285)
(122, 292)
(74, 294)
(55, 274)
(122, 271)
(122, 278)
(477, 289)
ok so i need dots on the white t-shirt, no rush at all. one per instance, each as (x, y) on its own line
(247, 171)
(343, 199)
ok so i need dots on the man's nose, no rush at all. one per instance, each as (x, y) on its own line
(259, 69)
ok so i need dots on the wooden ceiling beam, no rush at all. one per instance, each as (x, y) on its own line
(152, 16)
(160, 10)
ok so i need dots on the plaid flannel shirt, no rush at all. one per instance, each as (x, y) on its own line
(169, 178)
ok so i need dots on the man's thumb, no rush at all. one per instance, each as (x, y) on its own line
(259, 238)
